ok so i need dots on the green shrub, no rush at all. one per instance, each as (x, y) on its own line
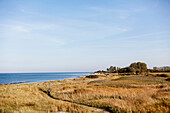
(162, 75)
(168, 79)
(92, 76)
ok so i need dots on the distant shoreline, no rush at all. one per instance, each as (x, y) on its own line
(80, 74)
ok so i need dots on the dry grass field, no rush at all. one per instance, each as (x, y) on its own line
(109, 93)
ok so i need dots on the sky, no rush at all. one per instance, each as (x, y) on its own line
(82, 35)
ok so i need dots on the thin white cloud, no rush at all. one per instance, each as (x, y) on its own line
(25, 11)
(21, 29)
(29, 27)
(31, 12)
(53, 41)
(147, 35)
(89, 29)
(120, 13)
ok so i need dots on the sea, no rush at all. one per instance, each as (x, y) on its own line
(18, 78)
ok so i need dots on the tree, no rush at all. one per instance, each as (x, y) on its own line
(134, 65)
(107, 69)
(133, 70)
(143, 67)
(111, 69)
(139, 67)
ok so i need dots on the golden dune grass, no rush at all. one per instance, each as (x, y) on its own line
(28, 99)
(129, 94)
(110, 93)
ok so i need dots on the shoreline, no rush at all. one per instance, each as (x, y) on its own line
(28, 82)
(83, 76)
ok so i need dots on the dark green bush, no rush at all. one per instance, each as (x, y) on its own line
(92, 76)
(162, 75)
(168, 79)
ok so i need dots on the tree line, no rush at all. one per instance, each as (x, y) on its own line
(135, 68)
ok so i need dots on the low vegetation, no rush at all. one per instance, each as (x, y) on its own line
(27, 98)
(162, 75)
(134, 68)
(109, 93)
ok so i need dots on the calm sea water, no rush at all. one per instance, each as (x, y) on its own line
(6, 78)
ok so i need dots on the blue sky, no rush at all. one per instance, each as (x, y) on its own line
(82, 35)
